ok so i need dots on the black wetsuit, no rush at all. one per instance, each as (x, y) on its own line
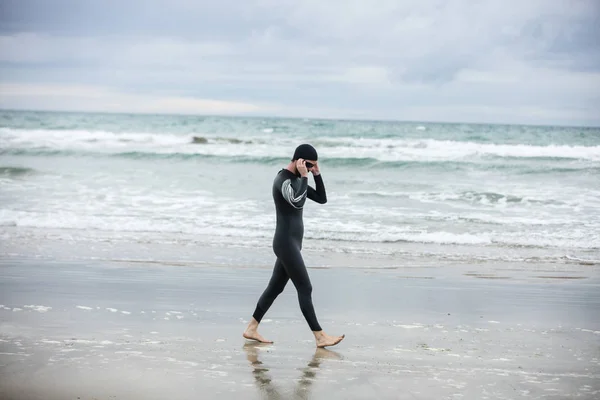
(290, 193)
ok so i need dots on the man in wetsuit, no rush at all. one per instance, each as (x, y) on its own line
(290, 191)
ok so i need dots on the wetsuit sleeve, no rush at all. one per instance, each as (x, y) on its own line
(319, 195)
(295, 192)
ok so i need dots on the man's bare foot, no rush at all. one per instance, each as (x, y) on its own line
(251, 332)
(324, 340)
(253, 335)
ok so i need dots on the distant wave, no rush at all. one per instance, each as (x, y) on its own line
(380, 149)
(388, 152)
(470, 196)
(481, 197)
(363, 162)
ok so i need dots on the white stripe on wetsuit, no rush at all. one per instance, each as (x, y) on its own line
(288, 193)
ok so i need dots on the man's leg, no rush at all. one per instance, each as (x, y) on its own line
(276, 285)
(296, 270)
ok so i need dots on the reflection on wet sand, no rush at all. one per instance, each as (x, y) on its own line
(264, 382)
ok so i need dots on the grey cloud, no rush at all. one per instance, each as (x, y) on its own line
(362, 56)
(175, 18)
(415, 34)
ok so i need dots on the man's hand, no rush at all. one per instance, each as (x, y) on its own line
(315, 168)
(301, 167)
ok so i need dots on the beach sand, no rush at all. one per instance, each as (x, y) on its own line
(104, 329)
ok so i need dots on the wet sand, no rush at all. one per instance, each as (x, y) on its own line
(141, 330)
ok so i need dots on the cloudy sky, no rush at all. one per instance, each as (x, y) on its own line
(525, 61)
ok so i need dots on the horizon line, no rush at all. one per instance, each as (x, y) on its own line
(345, 119)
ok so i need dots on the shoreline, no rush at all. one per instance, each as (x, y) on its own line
(176, 248)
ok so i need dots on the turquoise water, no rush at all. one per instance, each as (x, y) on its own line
(464, 190)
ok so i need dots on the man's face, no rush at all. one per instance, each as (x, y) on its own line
(310, 164)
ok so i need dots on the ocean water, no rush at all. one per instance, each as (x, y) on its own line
(461, 191)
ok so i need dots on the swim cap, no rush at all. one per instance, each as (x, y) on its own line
(305, 151)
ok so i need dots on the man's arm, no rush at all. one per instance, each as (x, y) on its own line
(295, 193)
(319, 195)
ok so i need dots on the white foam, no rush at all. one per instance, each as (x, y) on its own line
(189, 363)
(221, 223)
(41, 309)
(591, 331)
(83, 341)
(363, 232)
(112, 309)
(357, 226)
(435, 349)
(437, 150)
(401, 350)
(486, 218)
(585, 260)
(126, 312)
(352, 230)
(409, 326)
(87, 140)
(16, 354)
(16, 309)
(383, 149)
(46, 341)
(85, 308)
